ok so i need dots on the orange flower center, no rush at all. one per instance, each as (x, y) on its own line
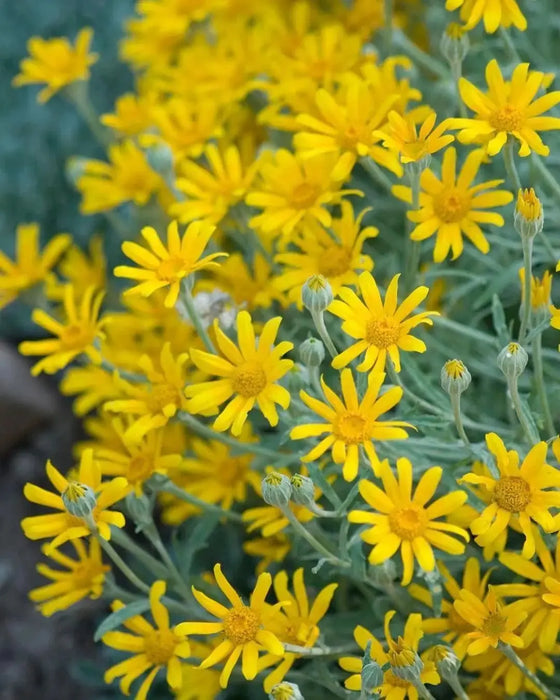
(140, 468)
(74, 337)
(494, 625)
(163, 395)
(507, 118)
(512, 493)
(304, 195)
(171, 269)
(249, 380)
(351, 428)
(409, 522)
(335, 261)
(159, 646)
(84, 574)
(452, 205)
(232, 471)
(382, 332)
(241, 625)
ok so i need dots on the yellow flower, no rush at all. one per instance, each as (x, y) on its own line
(248, 373)
(351, 423)
(405, 521)
(83, 578)
(507, 109)
(450, 208)
(270, 549)
(494, 13)
(270, 520)
(212, 190)
(30, 265)
(528, 205)
(519, 494)
(167, 266)
(412, 145)
(381, 329)
(94, 386)
(126, 178)
(77, 335)
(453, 627)
(243, 627)
(297, 624)
(293, 191)
(540, 290)
(346, 126)
(339, 259)
(132, 115)
(88, 489)
(198, 683)
(152, 647)
(56, 63)
(492, 622)
(400, 654)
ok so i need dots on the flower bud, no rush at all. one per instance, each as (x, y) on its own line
(79, 499)
(312, 352)
(316, 294)
(276, 489)
(454, 43)
(75, 168)
(285, 691)
(512, 360)
(528, 218)
(446, 661)
(303, 490)
(405, 662)
(415, 168)
(160, 158)
(372, 673)
(455, 377)
(140, 510)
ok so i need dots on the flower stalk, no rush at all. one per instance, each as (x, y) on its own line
(512, 656)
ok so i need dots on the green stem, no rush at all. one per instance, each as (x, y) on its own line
(151, 563)
(319, 321)
(388, 25)
(539, 384)
(423, 692)
(527, 244)
(457, 72)
(371, 167)
(412, 247)
(422, 59)
(186, 297)
(510, 46)
(154, 537)
(547, 176)
(77, 93)
(456, 406)
(320, 651)
(457, 688)
(509, 162)
(315, 380)
(511, 655)
(121, 564)
(516, 401)
(178, 492)
(317, 546)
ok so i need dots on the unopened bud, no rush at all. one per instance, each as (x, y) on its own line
(276, 489)
(528, 218)
(372, 673)
(285, 691)
(455, 377)
(415, 168)
(316, 294)
(303, 490)
(512, 360)
(405, 662)
(140, 510)
(79, 499)
(454, 43)
(160, 158)
(446, 661)
(312, 352)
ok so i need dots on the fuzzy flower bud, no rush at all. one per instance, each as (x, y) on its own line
(455, 377)
(446, 661)
(79, 499)
(454, 44)
(405, 662)
(316, 294)
(312, 352)
(140, 510)
(160, 158)
(285, 691)
(512, 360)
(303, 490)
(372, 673)
(528, 218)
(276, 489)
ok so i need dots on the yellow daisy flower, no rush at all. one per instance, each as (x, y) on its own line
(126, 178)
(492, 622)
(271, 521)
(507, 108)
(540, 290)
(81, 269)
(494, 13)
(351, 423)
(337, 258)
(519, 493)
(93, 386)
(30, 265)
(450, 208)
(248, 373)
(402, 136)
(243, 627)
(269, 549)
(381, 328)
(166, 266)
(153, 648)
(198, 683)
(88, 491)
(56, 63)
(80, 578)
(76, 336)
(132, 115)
(405, 521)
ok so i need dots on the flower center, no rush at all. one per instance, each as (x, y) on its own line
(494, 625)
(140, 468)
(232, 471)
(75, 491)
(409, 522)
(74, 336)
(241, 625)
(401, 655)
(172, 268)
(304, 195)
(452, 205)
(350, 138)
(508, 118)
(84, 574)
(159, 646)
(162, 395)
(249, 380)
(334, 261)
(382, 332)
(512, 493)
(351, 428)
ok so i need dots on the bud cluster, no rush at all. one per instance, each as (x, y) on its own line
(278, 490)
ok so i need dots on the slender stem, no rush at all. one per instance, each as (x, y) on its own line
(510, 654)
(509, 162)
(516, 401)
(195, 318)
(456, 406)
(547, 176)
(320, 651)
(527, 244)
(388, 25)
(371, 167)
(153, 535)
(121, 564)
(539, 385)
(512, 51)
(319, 321)
(123, 540)
(421, 58)
(77, 93)
(315, 380)
(178, 492)
(412, 247)
(457, 688)
(457, 72)
(317, 546)
(423, 692)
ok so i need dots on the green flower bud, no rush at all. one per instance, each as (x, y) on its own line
(528, 217)
(446, 661)
(140, 510)
(303, 490)
(455, 377)
(276, 489)
(316, 294)
(414, 169)
(454, 43)
(75, 168)
(405, 662)
(285, 691)
(312, 352)
(372, 673)
(79, 499)
(160, 158)
(512, 360)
